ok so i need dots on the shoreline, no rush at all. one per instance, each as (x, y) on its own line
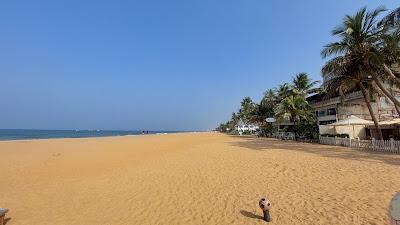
(105, 136)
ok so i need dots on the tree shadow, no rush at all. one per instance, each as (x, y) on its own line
(265, 144)
(251, 215)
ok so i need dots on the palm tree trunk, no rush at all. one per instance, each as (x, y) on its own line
(389, 72)
(294, 129)
(371, 112)
(397, 109)
(385, 91)
(395, 106)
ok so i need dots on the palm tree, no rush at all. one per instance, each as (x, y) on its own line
(270, 98)
(303, 85)
(293, 108)
(260, 113)
(390, 49)
(247, 106)
(361, 42)
(233, 122)
(222, 127)
(283, 91)
(344, 75)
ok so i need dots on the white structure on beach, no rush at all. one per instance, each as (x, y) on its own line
(244, 127)
(354, 126)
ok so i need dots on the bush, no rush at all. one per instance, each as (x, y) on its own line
(246, 132)
(306, 129)
(336, 135)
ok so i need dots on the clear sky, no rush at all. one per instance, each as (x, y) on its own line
(154, 64)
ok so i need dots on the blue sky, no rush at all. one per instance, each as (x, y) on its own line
(154, 65)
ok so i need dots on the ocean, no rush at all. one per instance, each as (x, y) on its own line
(24, 134)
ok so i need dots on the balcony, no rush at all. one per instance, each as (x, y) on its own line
(337, 100)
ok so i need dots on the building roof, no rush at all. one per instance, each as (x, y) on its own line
(389, 123)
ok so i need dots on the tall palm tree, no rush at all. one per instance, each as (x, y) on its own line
(343, 75)
(360, 42)
(390, 49)
(270, 98)
(247, 106)
(260, 113)
(233, 122)
(303, 85)
(293, 108)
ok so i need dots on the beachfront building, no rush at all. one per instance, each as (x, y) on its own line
(331, 110)
(339, 108)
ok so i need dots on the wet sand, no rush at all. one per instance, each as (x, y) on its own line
(203, 178)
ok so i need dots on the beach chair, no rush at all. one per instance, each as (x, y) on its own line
(2, 215)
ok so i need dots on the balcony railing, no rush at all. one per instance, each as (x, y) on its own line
(335, 100)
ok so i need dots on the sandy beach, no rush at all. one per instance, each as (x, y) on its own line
(203, 178)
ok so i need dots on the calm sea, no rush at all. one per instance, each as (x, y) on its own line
(21, 134)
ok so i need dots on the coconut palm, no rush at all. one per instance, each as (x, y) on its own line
(270, 98)
(390, 50)
(293, 108)
(260, 113)
(283, 91)
(361, 43)
(247, 106)
(233, 122)
(303, 85)
(344, 75)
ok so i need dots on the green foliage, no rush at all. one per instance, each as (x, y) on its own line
(246, 132)
(247, 106)
(306, 129)
(222, 128)
(260, 113)
(287, 102)
(303, 85)
(294, 108)
(336, 135)
(344, 136)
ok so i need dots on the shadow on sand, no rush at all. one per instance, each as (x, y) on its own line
(250, 215)
(6, 220)
(264, 144)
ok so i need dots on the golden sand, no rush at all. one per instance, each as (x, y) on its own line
(201, 178)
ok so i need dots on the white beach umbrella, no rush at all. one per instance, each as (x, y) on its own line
(352, 121)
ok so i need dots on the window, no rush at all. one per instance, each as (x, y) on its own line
(326, 122)
(321, 113)
(331, 112)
